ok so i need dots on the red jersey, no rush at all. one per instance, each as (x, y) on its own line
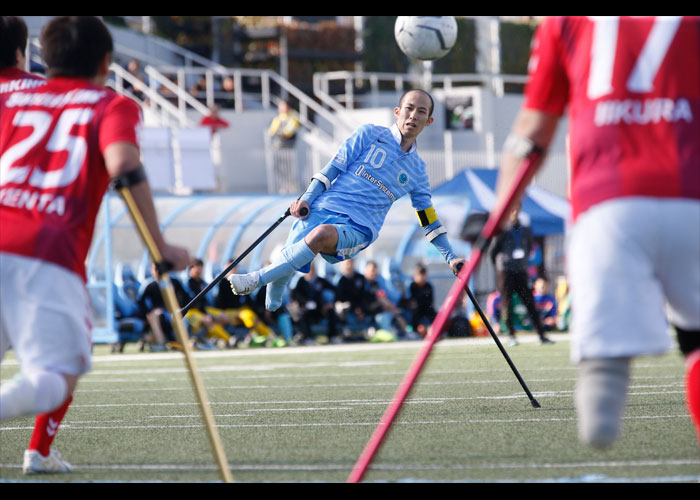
(52, 170)
(632, 87)
(14, 79)
(214, 123)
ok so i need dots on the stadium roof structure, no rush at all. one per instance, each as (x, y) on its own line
(219, 227)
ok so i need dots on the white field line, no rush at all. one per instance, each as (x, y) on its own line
(91, 425)
(678, 385)
(578, 468)
(379, 466)
(411, 347)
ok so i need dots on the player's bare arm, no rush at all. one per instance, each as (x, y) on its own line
(531, 126)
(122, 158)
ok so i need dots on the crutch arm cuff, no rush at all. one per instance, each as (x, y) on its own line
(129, 179)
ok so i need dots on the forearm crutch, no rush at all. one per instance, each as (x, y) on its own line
(483, 317)
(166, 288)
(498, 215)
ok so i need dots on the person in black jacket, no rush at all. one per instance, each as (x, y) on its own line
(351, 298)
(203, 319)
(510, 254)
(315, 299)
(153, 307)
(421, 301)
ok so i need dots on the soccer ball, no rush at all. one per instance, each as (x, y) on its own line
(425, 37)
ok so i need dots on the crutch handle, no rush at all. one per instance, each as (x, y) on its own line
(303, 211)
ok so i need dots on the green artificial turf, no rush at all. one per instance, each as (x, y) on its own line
(305, 414)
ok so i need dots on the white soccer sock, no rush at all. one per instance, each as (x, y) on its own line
(275, 292)
(31, 394)
(290, 259)
(601, 394)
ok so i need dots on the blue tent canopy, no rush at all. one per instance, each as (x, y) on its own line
(545, 212)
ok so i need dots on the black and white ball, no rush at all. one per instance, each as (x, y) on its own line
(425, 37)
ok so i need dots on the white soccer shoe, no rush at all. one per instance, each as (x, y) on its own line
(34, 463)
(244, 284)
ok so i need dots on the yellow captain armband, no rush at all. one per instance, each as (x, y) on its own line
(427, 216)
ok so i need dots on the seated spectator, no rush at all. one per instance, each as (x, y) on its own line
(420, 301)
(226, 97)
(386, 313)
(545, 303)
(201, 316)
(493, 310)
(131, 323)
(351, 298)
(459, 325)
(159, 319)
(563, 297)
(137, 89)
(238, 312)
(521, 320)
(314, 298)
(199, 89)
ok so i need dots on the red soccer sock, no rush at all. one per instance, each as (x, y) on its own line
(692, 387)
(46, 427)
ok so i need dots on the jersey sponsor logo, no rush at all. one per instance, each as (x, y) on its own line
(362, 172)
(49, 100)
(636, 111)
(402, 178)
(20, 84)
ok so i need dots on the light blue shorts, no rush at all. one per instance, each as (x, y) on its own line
(352, 238)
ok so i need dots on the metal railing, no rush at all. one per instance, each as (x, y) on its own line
(184, 99)
(353, 80)
(266, 98)
(169, 115)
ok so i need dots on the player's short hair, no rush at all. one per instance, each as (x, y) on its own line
(432, 103)
(74, 46)
(13, 36)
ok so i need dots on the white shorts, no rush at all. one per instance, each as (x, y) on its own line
(633, 266)
(44, 316)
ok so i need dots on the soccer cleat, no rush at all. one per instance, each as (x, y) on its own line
(244, 284)
(545, 340)
(513, 342)
(35, 463)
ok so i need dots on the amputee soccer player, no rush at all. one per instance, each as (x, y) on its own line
(349, 198)
(60, 144)
(13, 78)
(13, 44)
(632, 88)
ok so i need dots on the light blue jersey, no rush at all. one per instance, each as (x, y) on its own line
(354, 192)
(375, 173)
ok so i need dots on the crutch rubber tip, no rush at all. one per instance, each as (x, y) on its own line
(535, 403)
